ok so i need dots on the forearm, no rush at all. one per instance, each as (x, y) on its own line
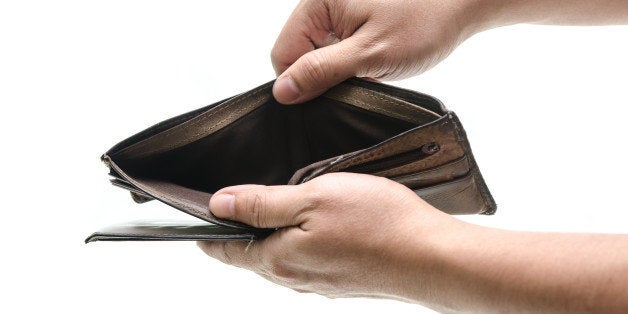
(485, 269)
(486, 14)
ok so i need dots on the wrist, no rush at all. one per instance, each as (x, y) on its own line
(422, 258)
(436, 272)
(481, 15)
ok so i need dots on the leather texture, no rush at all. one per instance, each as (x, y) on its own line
(357, 126)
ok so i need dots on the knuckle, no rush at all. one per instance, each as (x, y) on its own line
(255, 209)
(275, 265)
(375, 55)
(320, 191)
(313, 198)
(313, 68)
(376, 52)
(276, 58)
(280, 270)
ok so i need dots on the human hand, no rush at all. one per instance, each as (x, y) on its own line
(356, 235)
(341, 234)
(325, 42)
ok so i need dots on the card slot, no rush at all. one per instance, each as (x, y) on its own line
(124, 184)
(456, 197)
(381, 103)
(427, 177)
(138, 195)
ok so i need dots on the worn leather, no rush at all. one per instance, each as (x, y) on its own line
(357, 126)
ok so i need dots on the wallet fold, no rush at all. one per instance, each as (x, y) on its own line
(357, 126)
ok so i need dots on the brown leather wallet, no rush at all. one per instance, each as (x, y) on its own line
(357, 126)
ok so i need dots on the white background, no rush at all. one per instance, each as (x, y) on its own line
(545, 109)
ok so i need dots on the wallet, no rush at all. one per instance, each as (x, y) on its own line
(357, 126)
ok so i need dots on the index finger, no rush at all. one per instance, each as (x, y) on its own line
(308, 27)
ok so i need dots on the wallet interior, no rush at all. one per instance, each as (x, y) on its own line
(266, 142)
(357, 126)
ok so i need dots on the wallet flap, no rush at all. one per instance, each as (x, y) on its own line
(190, 201)
(161, 230)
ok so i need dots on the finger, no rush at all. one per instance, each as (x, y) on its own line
(262, 206)
(289, 50)
(308, 27)
(266, 256)
(238, 253)
(320, 69)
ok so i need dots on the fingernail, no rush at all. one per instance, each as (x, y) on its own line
(286, 89)
(222, 205)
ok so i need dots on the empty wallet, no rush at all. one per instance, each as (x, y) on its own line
(358, 126)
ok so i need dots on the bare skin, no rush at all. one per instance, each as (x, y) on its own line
(325, 42)
(347, 235)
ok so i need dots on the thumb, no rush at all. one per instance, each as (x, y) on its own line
(317, 71)
(261, 206)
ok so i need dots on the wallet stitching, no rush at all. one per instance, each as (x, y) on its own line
(371, 155)
(365, 105)
(400, 104)
(474, 171)
(457, 129)
(468, 177)
(196, 121)
(394, 101)
(209, 115)
(453, 163)
(384, 110)
(409, 96)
